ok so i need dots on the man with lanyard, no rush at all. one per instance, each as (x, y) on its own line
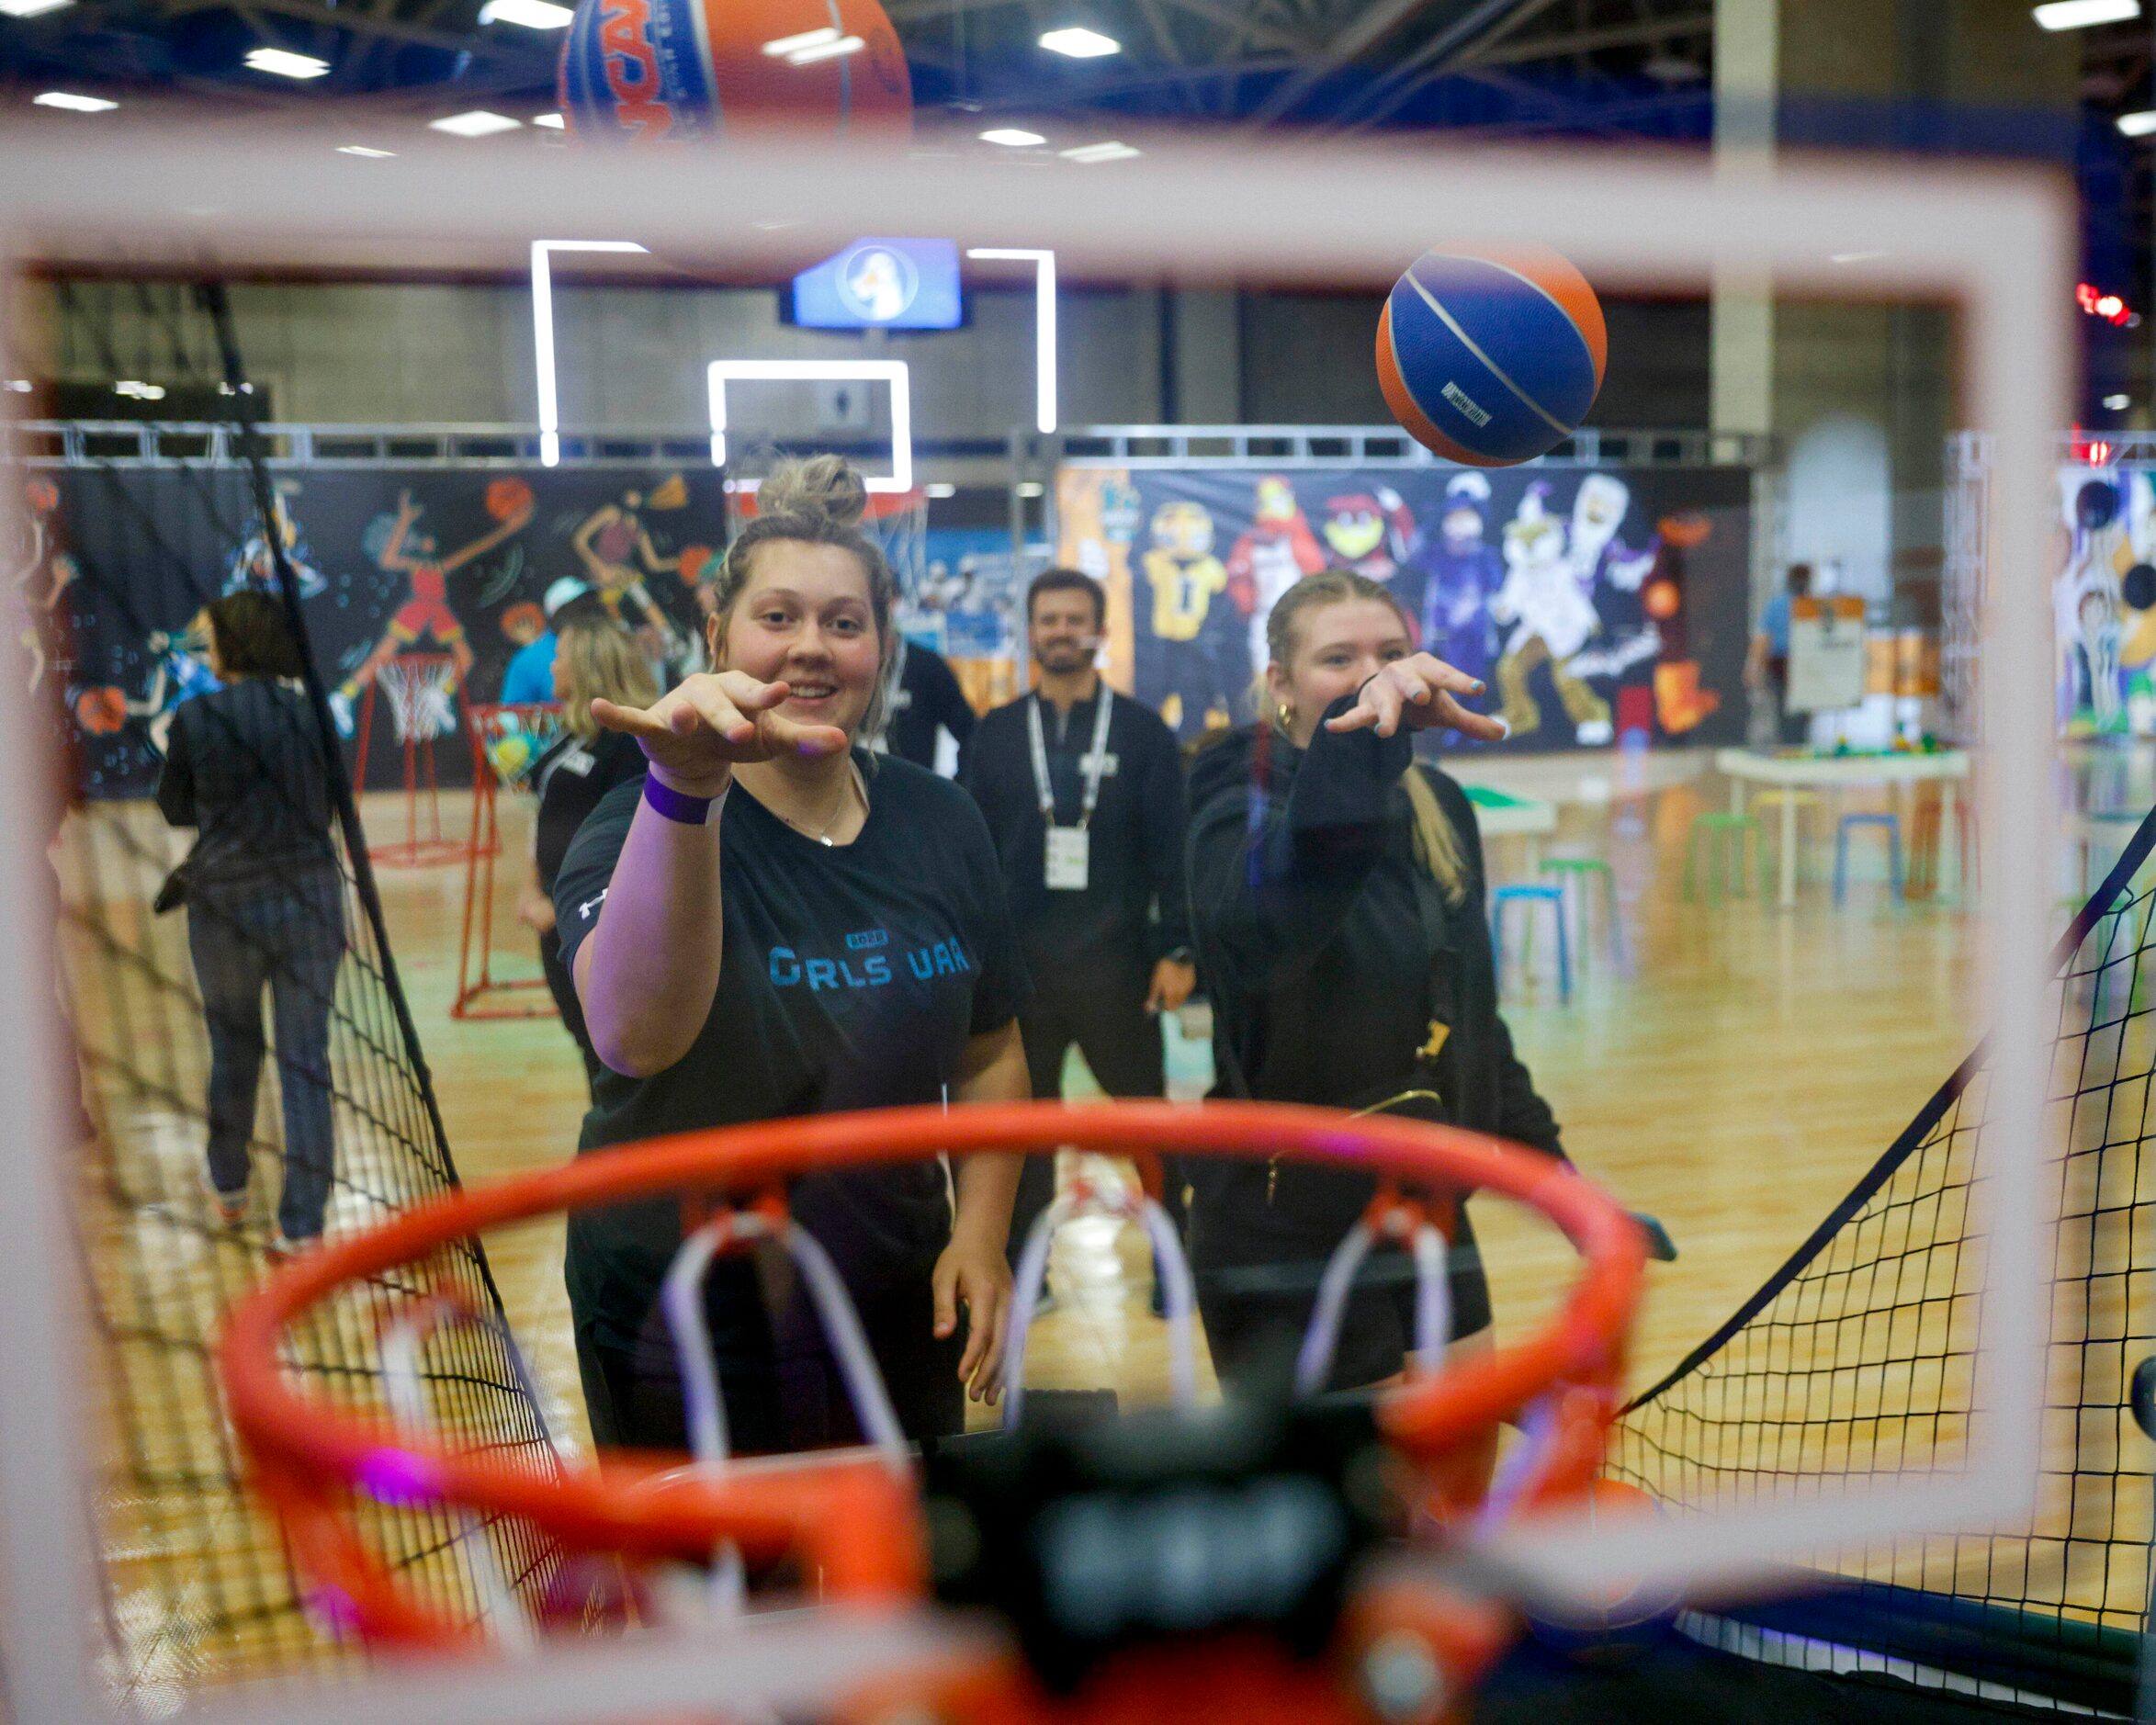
(1084, 797)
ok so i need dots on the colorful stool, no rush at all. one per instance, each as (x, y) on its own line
(1725, 836)
(1581, 868)
(1530, 896)
(1799, 800)
(1891, 824)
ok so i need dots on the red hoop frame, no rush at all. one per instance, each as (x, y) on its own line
(479, 852)
(847, 1511)
(414, 852)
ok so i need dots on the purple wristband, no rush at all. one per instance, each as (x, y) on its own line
(690, 811)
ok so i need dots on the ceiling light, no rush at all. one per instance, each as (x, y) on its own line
(364, 150)
(285, 65)
(533, 15)
(2119, 403)
(1080, 43)
(140, 392)
(2075, 14)
(1012, 137)
(783, 46)
(2135, 124)
(74, 103)
(941, 489)
(30, 8)
(1853, 257)
(552, 122)
(1031, 487)
(17, 386)
(1109, 151)
(826, 51)
(477, 123)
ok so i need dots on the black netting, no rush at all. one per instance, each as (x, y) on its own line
(294, 971)
(1856, 1358)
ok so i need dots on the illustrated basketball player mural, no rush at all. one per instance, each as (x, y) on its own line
(42, 572)
(1178, 661)
(179, 671)
(617, 553)
(255, 565)
(426, 612)
(1552, 620)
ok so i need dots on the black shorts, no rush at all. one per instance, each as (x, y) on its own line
(1105, 1015)
(1257, 1287)
(780, 1382)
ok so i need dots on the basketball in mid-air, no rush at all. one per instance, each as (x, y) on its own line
(657, 72)
(1491, 356)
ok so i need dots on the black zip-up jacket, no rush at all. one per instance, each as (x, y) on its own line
(1134, 860)
(1326, 952)
(245, 764)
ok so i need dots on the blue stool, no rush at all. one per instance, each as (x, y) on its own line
(1554, 897)
(1892, 824)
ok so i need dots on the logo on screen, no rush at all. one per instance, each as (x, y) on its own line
(877, 283)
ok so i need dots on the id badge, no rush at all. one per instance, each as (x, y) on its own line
(1068, 858)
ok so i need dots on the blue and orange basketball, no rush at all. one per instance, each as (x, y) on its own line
(651, 72)
(1491, 356)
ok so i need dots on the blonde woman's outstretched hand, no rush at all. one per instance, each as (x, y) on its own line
(1422, 693)
(699, 731)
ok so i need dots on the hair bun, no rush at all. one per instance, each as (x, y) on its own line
(821, 488)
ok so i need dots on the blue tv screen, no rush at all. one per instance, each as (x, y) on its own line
(877, 283)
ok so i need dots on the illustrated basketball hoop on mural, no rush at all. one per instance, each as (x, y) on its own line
(506, 743)
(1115, 1557)
(421, 690)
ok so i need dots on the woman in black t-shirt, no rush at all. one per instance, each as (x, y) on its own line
(774, 923)
(595, 659)
(1336, 894)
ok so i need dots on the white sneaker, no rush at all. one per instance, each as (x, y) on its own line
(1594, 733)
(341, 711)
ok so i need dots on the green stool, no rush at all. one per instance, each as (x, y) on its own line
(1725, 836)
(1581, 869)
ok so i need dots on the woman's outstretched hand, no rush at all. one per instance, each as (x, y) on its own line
(697, 733)
(1422, 693)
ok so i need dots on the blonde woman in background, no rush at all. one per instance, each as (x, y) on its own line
(1338, 902)
(595, 659)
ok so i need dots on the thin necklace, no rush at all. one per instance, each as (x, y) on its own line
(822, 835)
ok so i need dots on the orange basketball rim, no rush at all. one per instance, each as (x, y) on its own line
(848, 1517)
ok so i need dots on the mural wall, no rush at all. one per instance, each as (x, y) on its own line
(1593, 602)
(117, 564)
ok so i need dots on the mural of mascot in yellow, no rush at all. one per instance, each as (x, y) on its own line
(1176, 658)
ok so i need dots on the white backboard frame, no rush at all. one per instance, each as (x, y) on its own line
(1998, 243)
(893, 372)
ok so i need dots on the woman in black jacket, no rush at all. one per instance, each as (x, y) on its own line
(246, 766)
(1338, 898)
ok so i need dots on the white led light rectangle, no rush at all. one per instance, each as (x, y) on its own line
(890, 371)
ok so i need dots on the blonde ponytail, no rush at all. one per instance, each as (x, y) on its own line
(1436, 844)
